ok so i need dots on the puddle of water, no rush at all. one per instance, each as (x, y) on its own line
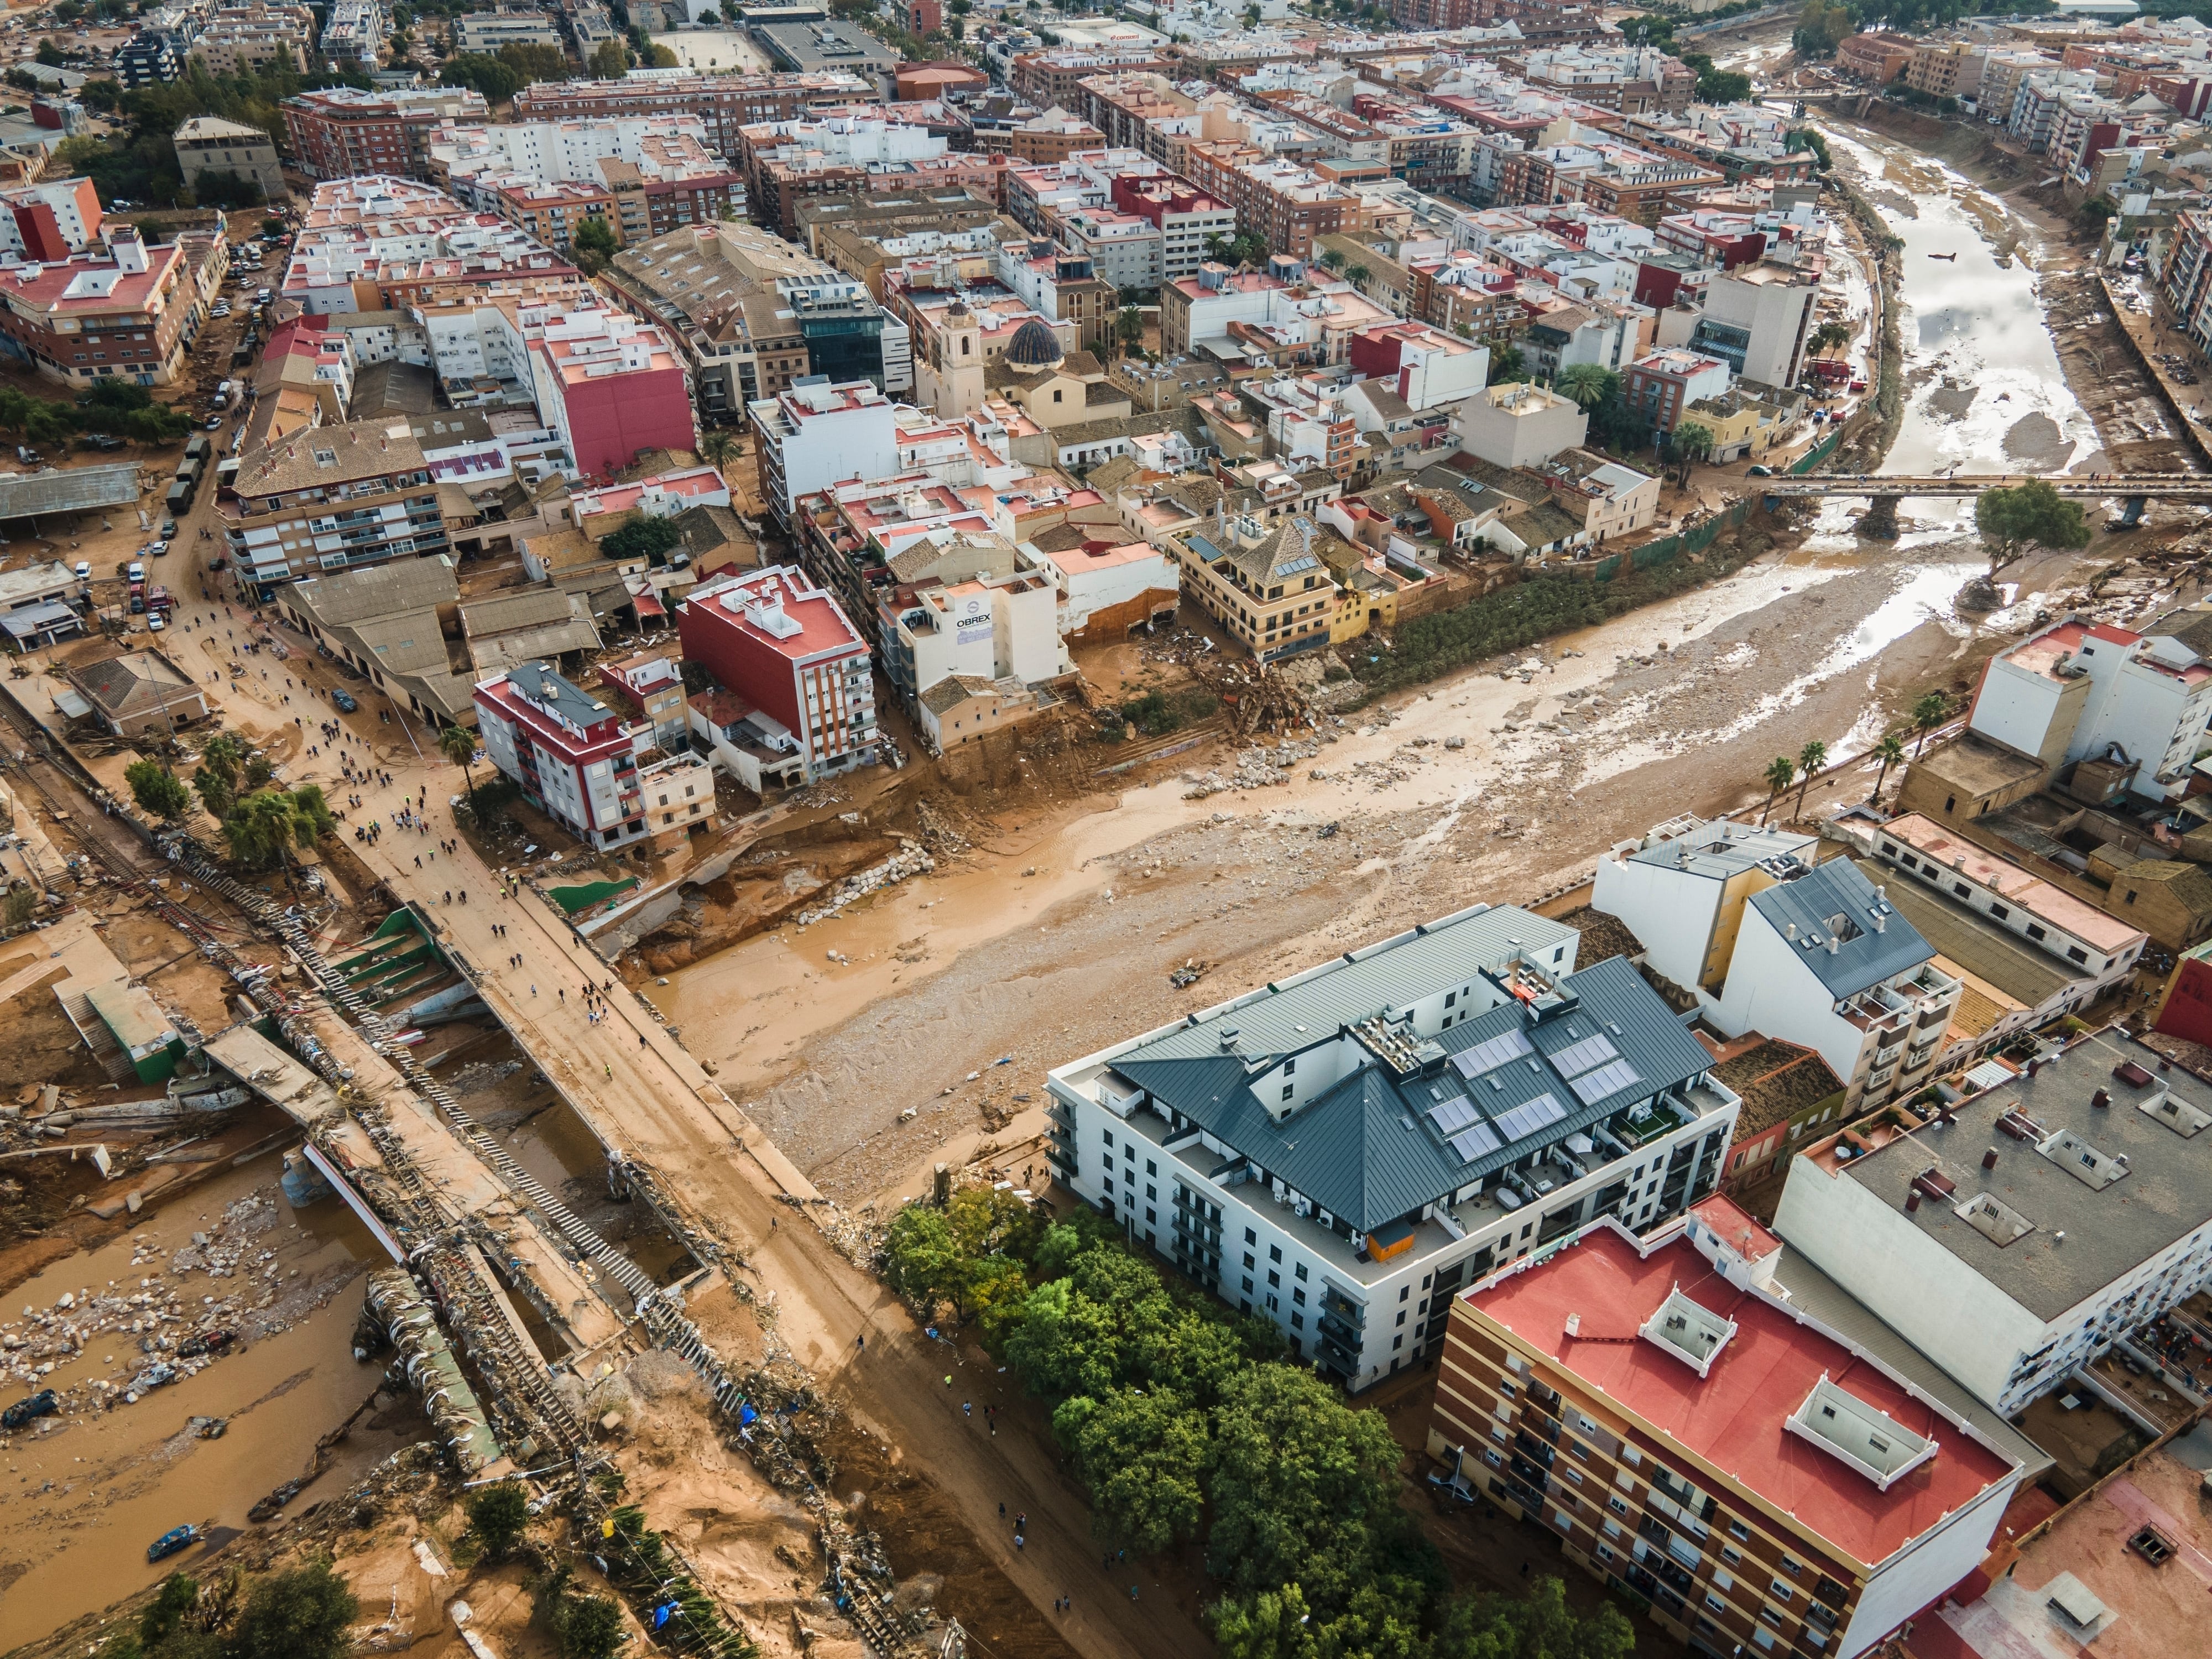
(120, 1479)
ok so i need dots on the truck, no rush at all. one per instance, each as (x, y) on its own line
(178, 501)
(160, 601)
(199, 448)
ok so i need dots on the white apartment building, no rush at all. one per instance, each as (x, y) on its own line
(816, 434)
(990, 628)
(1756, 318)
(2078, 688)
(552, 152)
(1681, 890)
(2026, 1230)
(1518, 424)
(2095, 943)
(1809, 953)
(1340, 1151)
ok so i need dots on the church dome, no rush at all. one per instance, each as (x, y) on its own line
(1034, 346)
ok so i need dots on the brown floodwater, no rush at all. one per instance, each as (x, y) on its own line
(85, 1498)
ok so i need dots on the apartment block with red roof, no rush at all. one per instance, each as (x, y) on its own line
(578, 762)
(793, 670)
(1708, 1424)
(51, 219)
(128, 313)
(610, 387)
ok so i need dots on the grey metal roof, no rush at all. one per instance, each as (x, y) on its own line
(1834, 902)
(2165, 1194)
(1382, 1144)
(1293, 1014)
(1724, 849)
(68, 489)
(1829, 1303)
(541, 684)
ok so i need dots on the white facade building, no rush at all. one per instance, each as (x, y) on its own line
(2026, 1230)
(1340, 1150)
(816, 434)
(1681, 890)
(1518, 424)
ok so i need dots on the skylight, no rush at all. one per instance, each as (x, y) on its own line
(2177, 1113)
(1849, 1430)
(1492, 1053)
(2088, 1165)
(1692, 1333)
(1526, 1119)
(1609, 1078)
(1995, 1220)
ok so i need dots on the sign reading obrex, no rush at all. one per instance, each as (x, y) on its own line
(971, 632)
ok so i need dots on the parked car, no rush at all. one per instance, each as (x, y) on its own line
(1760, 473)
(154, 623)
(348, 704)
(215, 422)
(134, 571)
(169, 530)
(84, 570)
(158, 548)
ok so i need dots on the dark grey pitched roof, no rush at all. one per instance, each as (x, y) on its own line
(541, 683)
(1382, 1143)
(1834, 901)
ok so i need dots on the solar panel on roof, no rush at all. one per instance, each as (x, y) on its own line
(1530, 1116)
(1476, 1142)
(1581, 1056)
(1491, 1053)
(1608, 1080)
(1454, 1116)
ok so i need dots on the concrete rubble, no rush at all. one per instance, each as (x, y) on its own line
(910, 860)
(1259, 766)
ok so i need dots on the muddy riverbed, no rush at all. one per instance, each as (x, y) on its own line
(88, 1490)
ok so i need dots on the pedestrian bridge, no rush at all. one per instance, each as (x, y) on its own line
(2099, 486)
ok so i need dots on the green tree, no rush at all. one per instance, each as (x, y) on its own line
(1506, 364)
(610, 61)
(1268, 1625)
(1888, 751)
(1588, 383)
(1722, 86)
(1333, 259)
(222, 762)
(640, 536)
(1806, 139)
(495, 80)
(1690, 442)
(2025, 516)
(664, 57)
(716, 446)
(498, 1516)
(1487, 1624)
(458, 745)
(1810, 759)
(1130, 328)
(1244, 248)
(50, 54)
(1306, 1490)
(1828, 335)
(299, 1614)
(1930, 712)
(1821, 27)
(594, 244)
(1779, 777)
(536, 62)
(164, 1615)
(920, 1260)
(591, 1627)
(263, 827)
(157, 789)
(1144, 1456)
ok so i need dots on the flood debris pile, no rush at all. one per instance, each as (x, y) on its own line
(910, 860)
(1258, 766)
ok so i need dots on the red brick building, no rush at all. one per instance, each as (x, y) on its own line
(342, 132)
(787, 648)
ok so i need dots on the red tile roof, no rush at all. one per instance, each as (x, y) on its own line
(1732, 1419)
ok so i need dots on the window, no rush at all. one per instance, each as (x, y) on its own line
(1401, 1315)
(1289, 1089)
(1274, 1253)
(1772, 1617)
(1715, 1602)
(1151, 1168)
(1782, 1591)
(1616, 1505)
(2076, 953)
(1274, 1279)
(1999, 912)
(1248, 1283)
(1763, 1640)
(1297, 1321)
(1299, 1297)
(1792, 1568)
(1248, 1261)
(1299, 1271)
(1405, 1290)
(1739, 1532)
(1110, 1137)
(2033, 932)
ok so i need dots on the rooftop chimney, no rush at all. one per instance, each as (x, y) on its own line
(1912, 1202)
(1574, 1324)
(2102, 1097)
(1990, 1158)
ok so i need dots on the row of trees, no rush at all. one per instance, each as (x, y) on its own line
(261, 822)
(1929, 713)
(299, 1614)
(1187, 1424)
(120, 409)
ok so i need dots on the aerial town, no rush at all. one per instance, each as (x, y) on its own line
(1301, 831)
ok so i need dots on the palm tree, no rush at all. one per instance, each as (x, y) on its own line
(267, 824)
(1927, 715)
(1357, 273)
(1333, 260)
(1810, 759)
(1691, 441)
(458, 745)
(1888, 751)
(717, 446)
(1779, 777)
(1588, 384)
